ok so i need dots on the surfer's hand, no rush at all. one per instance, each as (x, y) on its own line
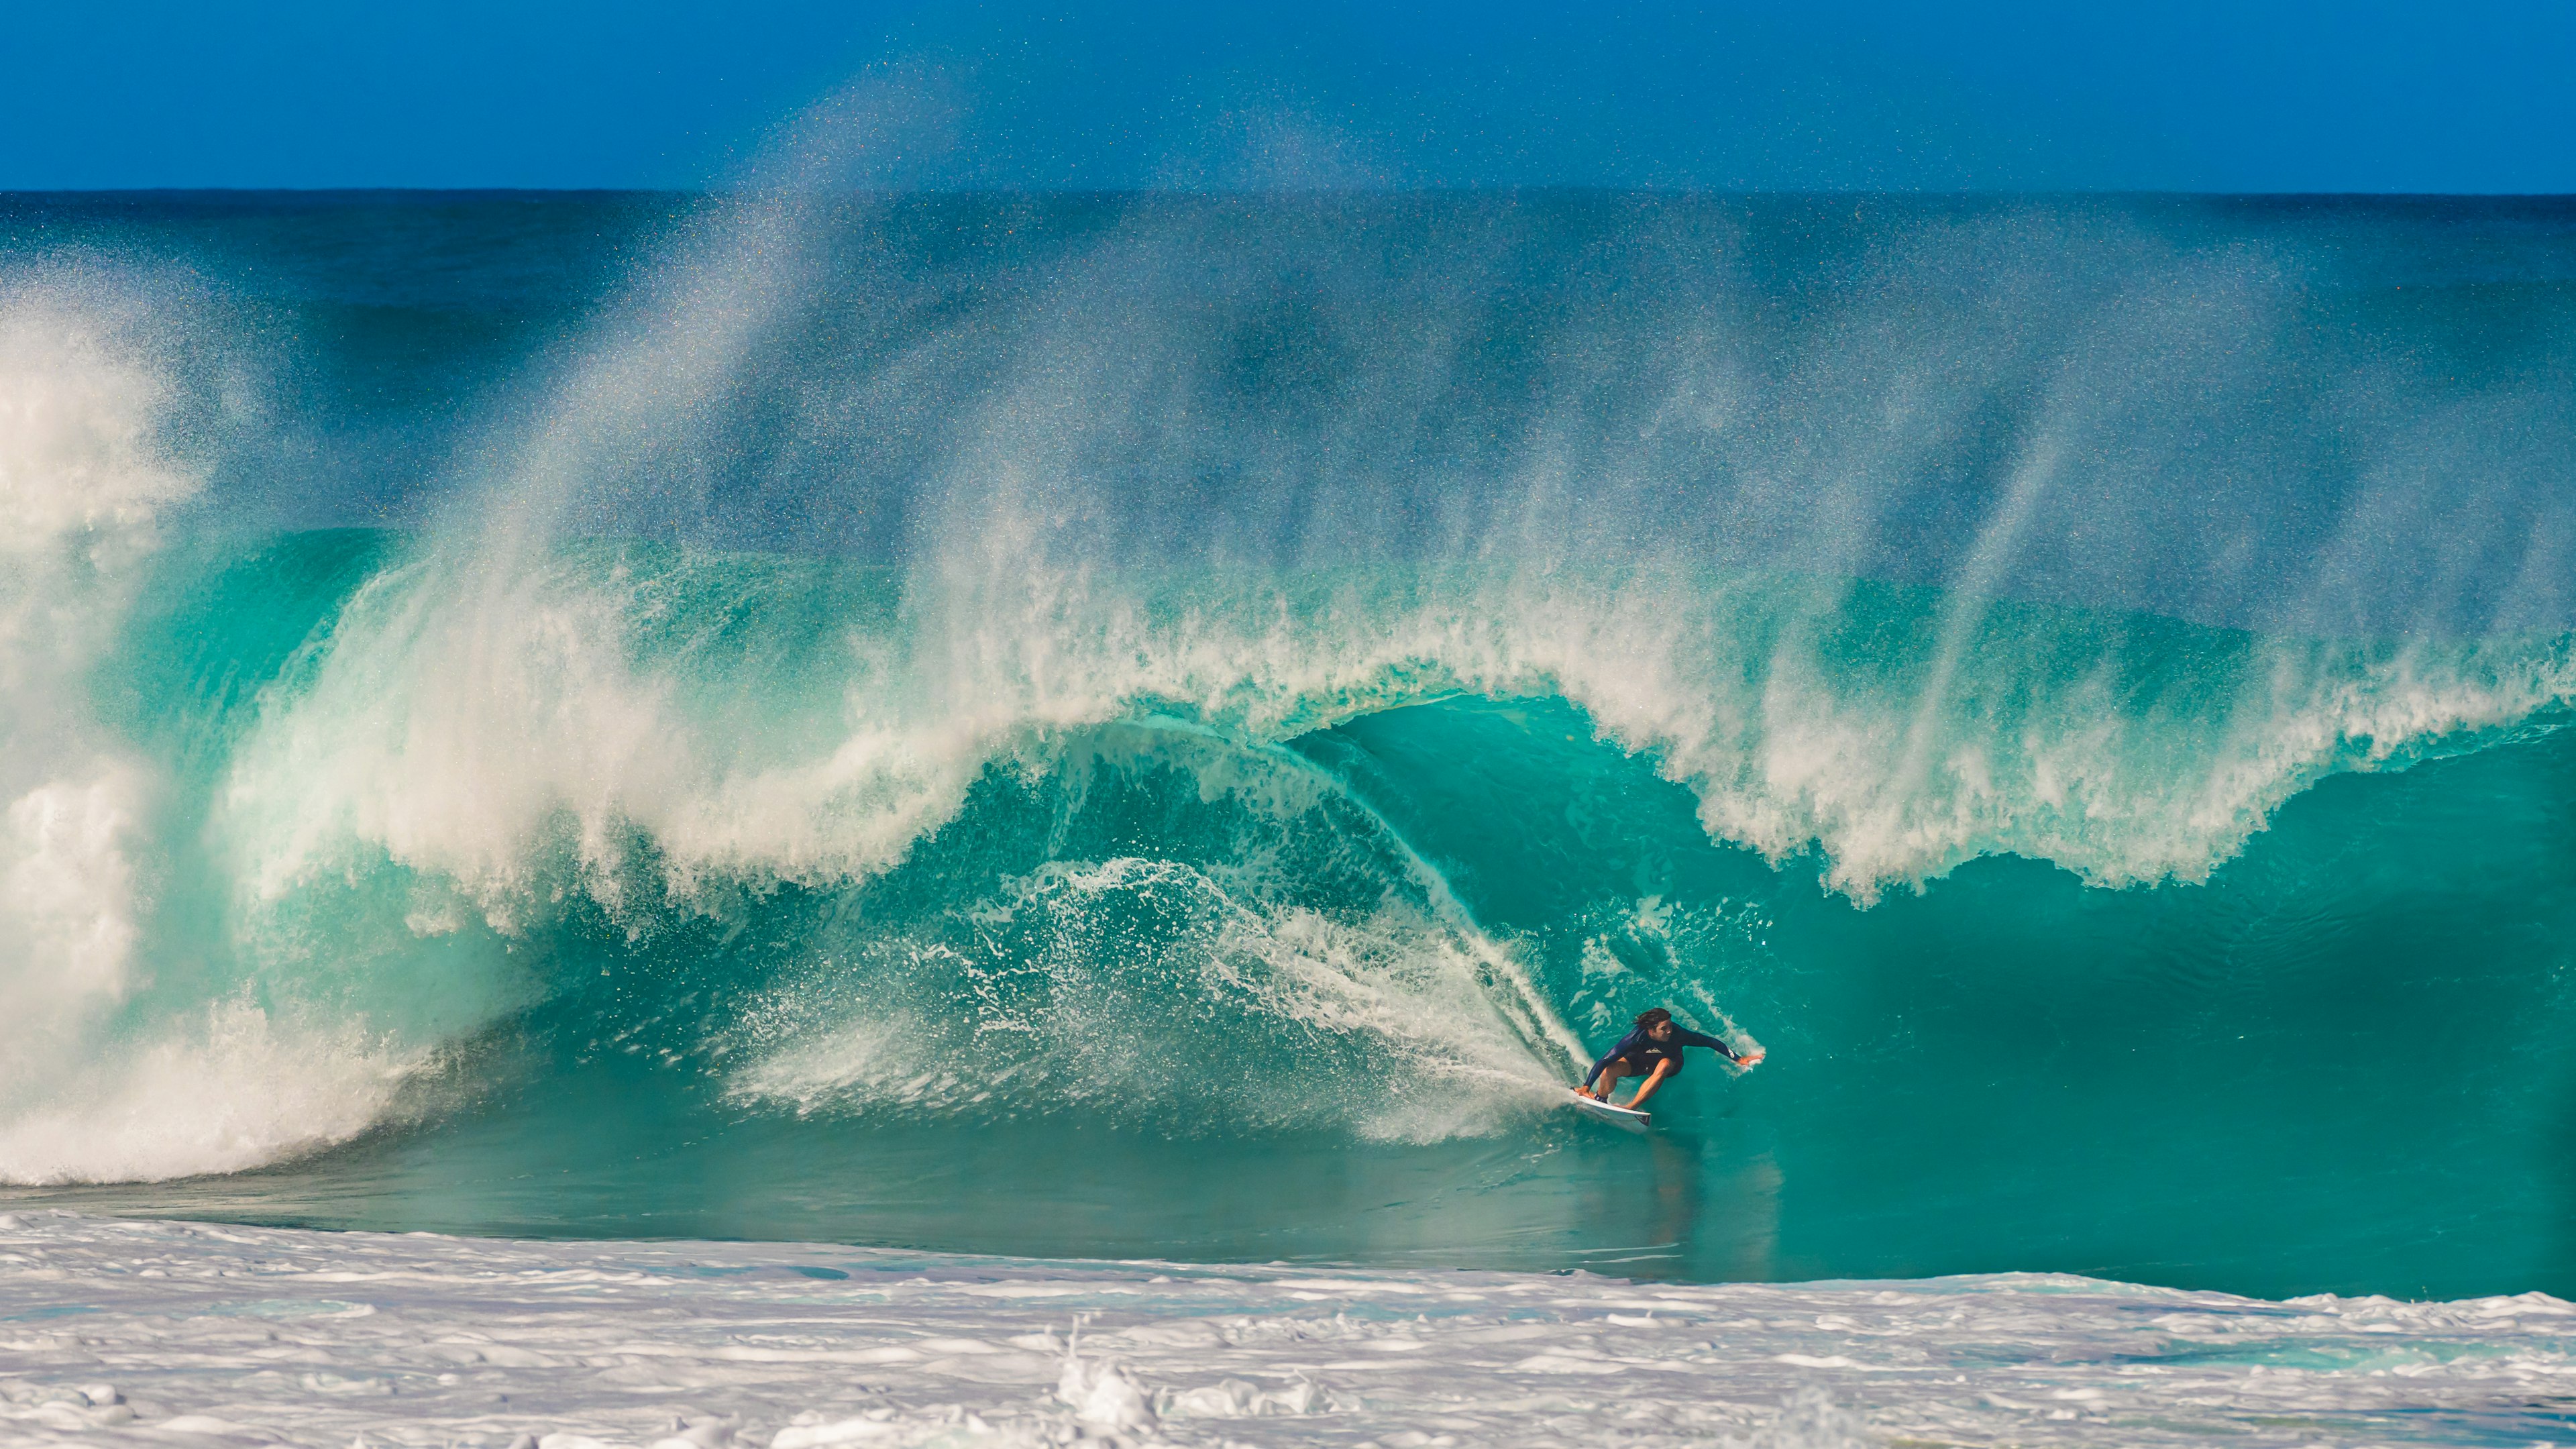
(1752, 1058)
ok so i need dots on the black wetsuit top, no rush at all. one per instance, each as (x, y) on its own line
(1643, 1051)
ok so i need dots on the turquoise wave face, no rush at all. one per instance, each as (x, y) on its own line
(1172, 728)
(1268, 975)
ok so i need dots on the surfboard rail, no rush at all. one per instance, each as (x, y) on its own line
(1623, 1117)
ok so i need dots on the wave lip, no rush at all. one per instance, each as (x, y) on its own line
(461, 727)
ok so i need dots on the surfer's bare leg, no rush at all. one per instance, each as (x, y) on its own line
(1662, 1070)
(1610, 1076)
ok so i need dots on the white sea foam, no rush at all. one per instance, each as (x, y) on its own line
(84, 487)
(67, 893)
(219, 1090)
(85, 482)
(131, 1332)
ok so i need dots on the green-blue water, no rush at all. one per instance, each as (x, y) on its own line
(1121, 726)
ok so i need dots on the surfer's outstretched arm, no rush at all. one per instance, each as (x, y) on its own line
(1684, 1036)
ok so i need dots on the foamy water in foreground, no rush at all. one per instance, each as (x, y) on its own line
(179, 1334)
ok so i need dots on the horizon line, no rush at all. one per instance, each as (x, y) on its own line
(1318, 192)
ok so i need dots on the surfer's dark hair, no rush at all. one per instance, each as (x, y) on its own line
(1653, 1016)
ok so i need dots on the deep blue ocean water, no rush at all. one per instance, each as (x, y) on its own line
(1157, 726)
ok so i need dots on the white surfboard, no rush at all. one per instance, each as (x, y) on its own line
(1603, 1111)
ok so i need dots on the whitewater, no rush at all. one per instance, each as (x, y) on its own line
(168, 1333)
(1067, 741)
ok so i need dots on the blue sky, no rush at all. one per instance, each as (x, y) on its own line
(2470, 96)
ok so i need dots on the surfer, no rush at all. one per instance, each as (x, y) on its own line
(1652, 1049)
